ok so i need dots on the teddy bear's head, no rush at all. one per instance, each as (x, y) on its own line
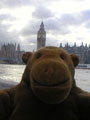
(50, 72)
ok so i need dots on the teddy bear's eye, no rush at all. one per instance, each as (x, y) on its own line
(62, 56)
(38, 55)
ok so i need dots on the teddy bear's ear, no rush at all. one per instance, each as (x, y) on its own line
(26, 56)
(75, 59)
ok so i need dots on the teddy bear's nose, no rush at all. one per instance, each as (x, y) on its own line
(49, 71)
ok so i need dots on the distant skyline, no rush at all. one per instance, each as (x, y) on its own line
(64, 21)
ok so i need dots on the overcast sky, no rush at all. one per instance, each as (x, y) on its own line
(64, 20)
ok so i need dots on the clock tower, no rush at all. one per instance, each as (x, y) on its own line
(41, 36)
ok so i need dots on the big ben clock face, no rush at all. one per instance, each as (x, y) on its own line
(41, 36)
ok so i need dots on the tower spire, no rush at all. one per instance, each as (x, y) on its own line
(41, 36)
(42, 26)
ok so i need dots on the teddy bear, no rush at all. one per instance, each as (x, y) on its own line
(47, 89)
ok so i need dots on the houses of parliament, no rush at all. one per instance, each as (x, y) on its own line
(11, 53)
(82, 51)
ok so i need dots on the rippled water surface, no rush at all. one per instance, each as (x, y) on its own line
(14, 73)
(11, 72)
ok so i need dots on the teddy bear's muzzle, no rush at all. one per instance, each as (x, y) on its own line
(50, 74)
(50, 80)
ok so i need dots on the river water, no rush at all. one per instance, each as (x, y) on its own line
(13, 73)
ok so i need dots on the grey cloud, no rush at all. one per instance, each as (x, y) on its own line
(68, 19)
(31, 39)
(14, 3)
(31, 28)
(41, 12)
(76, 19)
(6, 17)
(72, 19)
(30, 43)
(28, 47)
(18, 3)
(28, 31)
(86, 15)
(87, 25)
(86, 18)
(51, 42)
(80, 38)
(7, 37)
(51, 25)
(55, 26)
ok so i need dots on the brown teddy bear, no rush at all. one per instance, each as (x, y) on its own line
(47, 89)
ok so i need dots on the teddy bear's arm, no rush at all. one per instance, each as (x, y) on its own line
(4, 105)
(84, 105)
(6, 102)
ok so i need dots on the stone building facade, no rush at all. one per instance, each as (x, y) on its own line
(41, 36)
(10, 53)
(82, 51)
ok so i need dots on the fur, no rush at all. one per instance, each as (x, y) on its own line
(47, 89)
